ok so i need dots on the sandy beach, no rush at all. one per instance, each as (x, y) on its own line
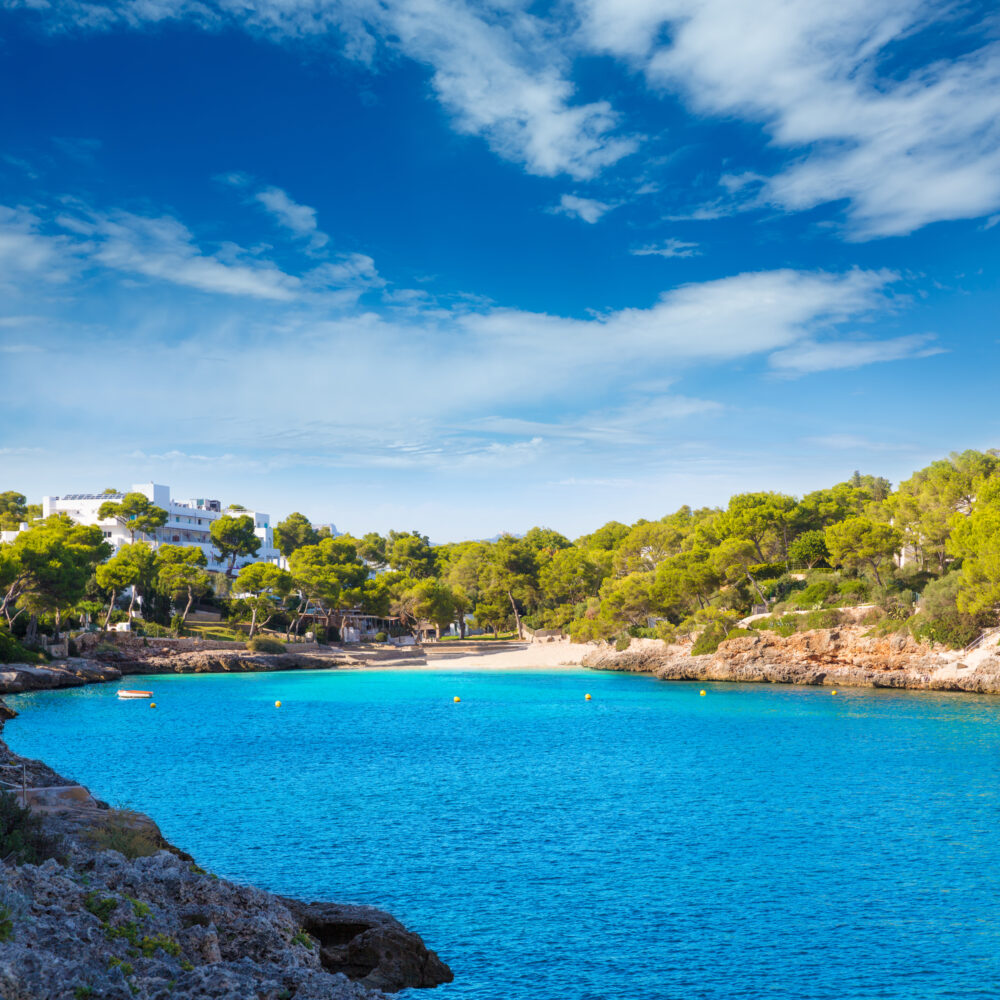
(476, 656)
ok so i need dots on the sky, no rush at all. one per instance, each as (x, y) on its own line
(468, 267)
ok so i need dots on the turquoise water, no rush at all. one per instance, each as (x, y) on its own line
(649, 844)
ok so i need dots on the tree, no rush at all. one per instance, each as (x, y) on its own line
(372, 548)
(629, 600)
(132, 566)
(294, 532)
(646, 546)
(181, 573)
(326, 573)
(734, 559)
(13, 510)
(861, 542)
(510, 570)
(605, 538)
(762, 518)
(263, 586)
(234, 538)
(136, 513)
(434, 602)
(573, 575)
(411, 554)
(808, 549)
(493, 615)
(976, 540)
(47, 567)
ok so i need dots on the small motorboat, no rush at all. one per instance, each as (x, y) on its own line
(126, 693)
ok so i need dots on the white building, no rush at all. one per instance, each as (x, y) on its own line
(188, 521)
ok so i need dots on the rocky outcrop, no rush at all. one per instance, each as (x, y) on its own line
(93, 922)
(74, 672)
(370, 946)
(845, 657)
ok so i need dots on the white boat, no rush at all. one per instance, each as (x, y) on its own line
(126, 693)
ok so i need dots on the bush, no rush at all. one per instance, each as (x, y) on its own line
(177, 625)
(857, 590)
(11, 651)
(124, 832)
(951, 629)
(21, 834)
(381, 637)
(736, 633)
(815, 594)
(154, 630)
(830, 618)
(264, 644)
(622, 643)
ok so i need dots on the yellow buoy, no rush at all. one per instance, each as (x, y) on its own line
(457, 699)
(277, 704)
(702, 693)
(587, 696)
(834, 690)
(152, 704)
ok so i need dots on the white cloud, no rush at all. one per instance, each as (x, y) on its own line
(669, 248)
(300, 219)
(810, 356)
(27, 253)
(165, 249)
(501, 73)
(586, 209)
(904, 150)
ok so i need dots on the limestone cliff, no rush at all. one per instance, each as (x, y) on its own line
(844, 656)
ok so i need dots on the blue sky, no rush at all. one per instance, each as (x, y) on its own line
(471, 267)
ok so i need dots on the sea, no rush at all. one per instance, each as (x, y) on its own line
(659, 841)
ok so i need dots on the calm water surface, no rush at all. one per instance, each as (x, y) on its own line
(649, 844)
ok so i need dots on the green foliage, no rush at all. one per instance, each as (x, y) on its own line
(381, 637)
(815, 594)
(863, 543)
(123, 831)
(82, 992)
(951, 628)
(11, 651)
(22, 837)
(6, 923)
(293, 533)
(264, 644)
(829, 618)
(100, 908)
(302, 938)
(150, 943)
(622, 643)
(186, 965)
(136, 513)
(809, 549)
(233, 538)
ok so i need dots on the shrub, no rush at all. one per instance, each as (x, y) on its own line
(736, 633)
(155, 631)
(623, 642)
(6, 923)
(830, 618)
(855, 589)
(124, 832)
(21, 834)
(951, 629)
(815, 594)
(149, 944)
(264, 644)
(302, 938)
(381, 637)
(177, 625)
(11, 651)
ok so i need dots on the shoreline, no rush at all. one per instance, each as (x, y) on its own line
(110, 908)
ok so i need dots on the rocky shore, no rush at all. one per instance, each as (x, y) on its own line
(115, 911)
(838, 657)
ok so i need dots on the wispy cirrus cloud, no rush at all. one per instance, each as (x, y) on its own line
(810, 356)
(668, 248)
(502, 73)
(904, 149)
